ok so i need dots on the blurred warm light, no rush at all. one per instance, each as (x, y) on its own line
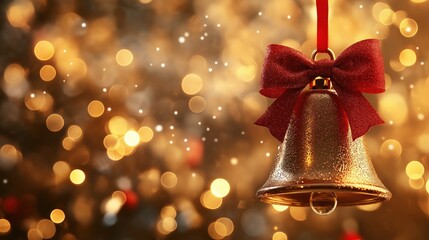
(378, 8)
(132, 138)
(393, 107)
(209, 201)
(121, 196)
(61, 169)
(46, 228)
(39, 101)
(57, 216)
(113, 205)
(47, 73)
(369, 207)
(118, 125)
(224, 226)
(169, 180)
(20, 13)
(416, 183)
(408, 27)
(111, 142)
(124, 57)
(279, 208)
(391, 147)
(95, 108)
(220, 187)
(418, 1)
(197, 104)
(192, 84)
(427, 186)
(168, 212)
(167, 225)
(385, 16)
(145, 134)
(407, 57)
(117, 153)
(246, 73)
(75, 132)
(9, 156)
(213, 232)
(279, 236)
(298, 213)
(15, 82)
(145, 1)
(4, 226)
(415, 170)
(68, 143)
(44, 50)
(34, 234)
(233, 161)
(423, 142)
(77, 176)
(55, 122)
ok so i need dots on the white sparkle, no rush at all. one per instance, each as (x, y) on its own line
(260, 13)
(182, 39)
(171, 127)
(188, 149)
(32, 95)
(109, 109)
(104, 89)
(157, 49)
(219, 108)
(175, 113)
(210, 69)
(5, 181)
(215, 140)
(158, 128)
(163, 65)
(140, 111)
(208, 129)
(83, 25)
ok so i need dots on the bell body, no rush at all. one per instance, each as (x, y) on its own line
(318, 155)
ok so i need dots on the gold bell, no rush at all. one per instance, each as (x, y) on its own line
(318, 163)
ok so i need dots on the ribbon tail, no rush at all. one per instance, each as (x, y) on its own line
(360, 113)
(277, 116)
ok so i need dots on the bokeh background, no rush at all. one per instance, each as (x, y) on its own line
(133, 119)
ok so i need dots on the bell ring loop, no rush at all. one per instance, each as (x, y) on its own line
(329, 52)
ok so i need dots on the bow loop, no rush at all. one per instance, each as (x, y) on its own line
(287, 71)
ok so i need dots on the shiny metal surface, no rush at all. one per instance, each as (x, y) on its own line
(318, 155)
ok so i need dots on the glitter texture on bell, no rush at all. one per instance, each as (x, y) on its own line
(318, 164)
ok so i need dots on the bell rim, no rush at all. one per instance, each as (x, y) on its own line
(365, 194)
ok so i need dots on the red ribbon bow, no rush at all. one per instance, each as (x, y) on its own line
(359, 69)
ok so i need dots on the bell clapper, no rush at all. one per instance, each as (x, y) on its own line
(323, 203)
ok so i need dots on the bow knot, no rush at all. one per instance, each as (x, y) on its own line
(323, 68)
(359, 69)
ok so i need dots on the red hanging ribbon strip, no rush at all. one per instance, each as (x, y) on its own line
(322, 25)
